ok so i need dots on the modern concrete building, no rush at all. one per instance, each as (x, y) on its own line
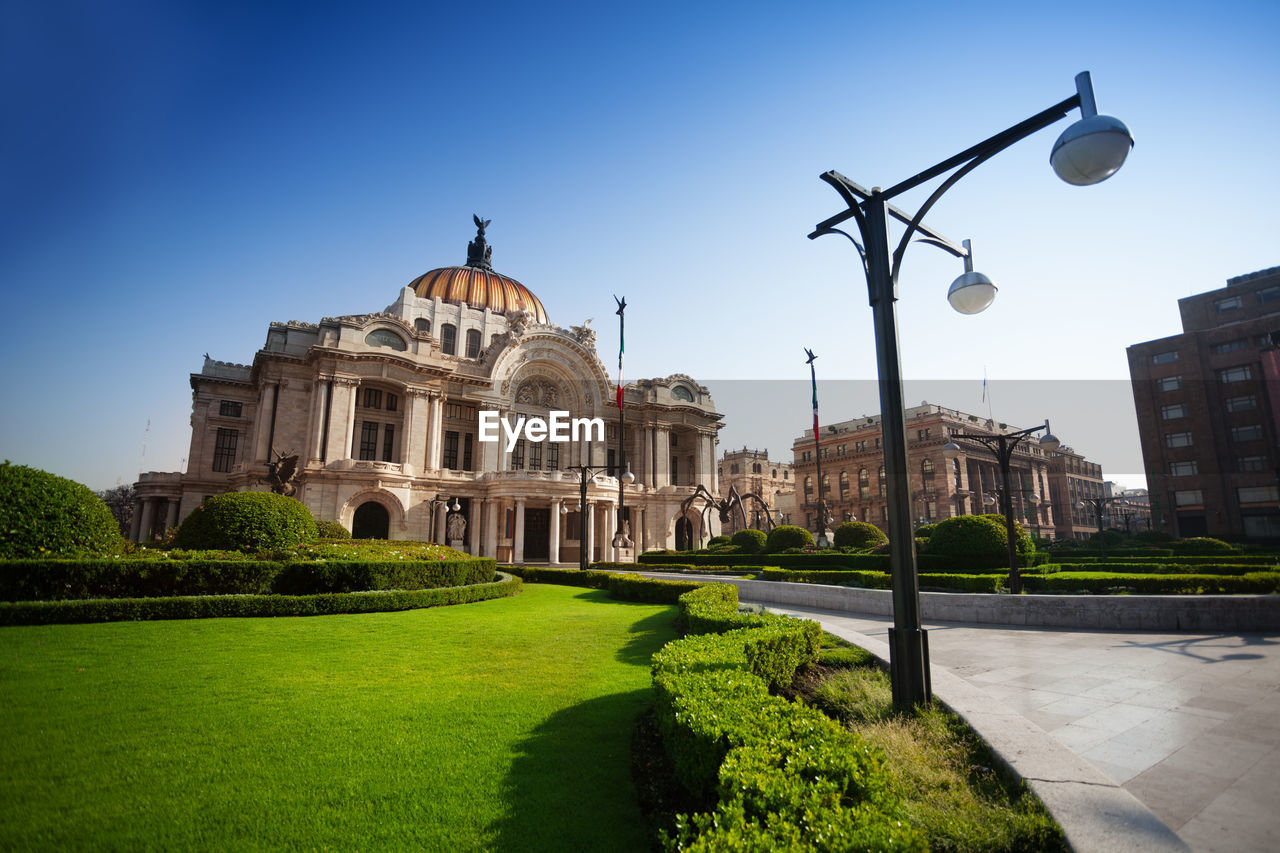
(752, 472)
(389, 414)
(1207, 412)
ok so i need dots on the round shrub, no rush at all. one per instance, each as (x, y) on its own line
(975, 536)
(750, 541)
(858, 534)
(717, 540)
(42, 514)
(1107, 539)
(1202, 545)
(1152, 537)
(332, 530)
(787, 536)
(925, 530)
(247, 521)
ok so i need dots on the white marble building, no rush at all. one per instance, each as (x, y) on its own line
(383, 412)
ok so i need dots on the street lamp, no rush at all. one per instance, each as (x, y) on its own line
(1099, 506)
(585, 476)
(1003, 446)
(821, 541)
(1090, 151)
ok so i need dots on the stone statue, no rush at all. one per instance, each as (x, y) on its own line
(282, 475)
(584, 334)
(479, 252)
(457, 526)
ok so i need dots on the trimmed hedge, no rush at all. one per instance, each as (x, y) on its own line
(36, 580)
(1102, 583)
(750, 541)
(788, 536)
(205, 607)
(977, 536)
(878, 580)
(42, 514)
(858, 534)
(331, 530)
(860, 562)
(1143, 557)
(625, 587)
(786, 776)
(674, 567)
(1160, 567)
(247, 521)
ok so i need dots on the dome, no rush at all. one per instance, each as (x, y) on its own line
(478, 285)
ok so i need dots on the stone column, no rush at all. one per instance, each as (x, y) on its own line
(517, 543)
(442, 513)
(434, 433)
(553, 553)
(319, 394)
(477, 507)
(491, 529)
(586, 534)
(262, 452)
(408, 432)
(148, 518)
(342, 415)
(661, 457)
(171, 517)
(610, 527)
(135, 523)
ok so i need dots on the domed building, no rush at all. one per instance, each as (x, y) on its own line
(393, 416)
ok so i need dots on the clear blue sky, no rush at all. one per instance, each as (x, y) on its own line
(176, 175)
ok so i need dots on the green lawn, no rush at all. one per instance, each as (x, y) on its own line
(502, 725)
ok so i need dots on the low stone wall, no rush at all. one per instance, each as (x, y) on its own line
(1231, 613)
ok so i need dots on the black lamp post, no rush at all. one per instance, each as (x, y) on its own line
(1003, 446)
(585, 476)
(1099, 509)
(1089, 151)
(821, 541)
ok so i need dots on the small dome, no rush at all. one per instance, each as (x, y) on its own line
(478, 285)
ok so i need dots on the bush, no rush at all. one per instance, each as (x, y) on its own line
(247, 521)
(1202, 545)
(975, 536)
(717, 540)
(786, 536)
(925, 530)
(1152, 537)
(858, 534)
(1107, 539)
(332, 530)
(750, 541)
(42, 514)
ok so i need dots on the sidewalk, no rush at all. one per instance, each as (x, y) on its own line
(1187, 723)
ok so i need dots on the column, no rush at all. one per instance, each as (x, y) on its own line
(517, 544)
(319, 393)
(708, 462)
(171, 517)
(342, 415)
(434, 432)
(266, 403)
(477, 507)
(442, 513)
(638, 519)
(586, 536)
(135, 522)
(491, 529)
(553, 555)
(410, 432)
(661, 457)
(148, 519)
(611, 527)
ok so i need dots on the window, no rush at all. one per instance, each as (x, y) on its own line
(844, 485)
(449, 339)
(1169, 383)
(1257, 494)
(922, 434)
(1170, 413)
(926, 469)
(1249, 432)
(826, 484)
(1243, 403)
(1229, 346)
(1236, 374)
(675, 439)
(535, 456)
(450, 459)
(864, 485)
(682, 393)
(882, 481)
(473, 343)
(733, 468)
(553, 457)
(386, 338)
(675, 471)
(229, 409)
(224, 449)
(786, 475)
(466, 453)
(1164, 357)
(517, 456)
(808, 487)
(1188, 497)
(388, 443)
(1227, 304)
(1251, 463)
(372, 399)
(1268, 294)
(755, 468)
(1183, 469)
(1177, 439)
(422, 324)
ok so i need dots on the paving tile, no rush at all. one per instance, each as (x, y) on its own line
(1216, 755)
(1175, 797)
(1131, 757)
(1118, 717)
(1076, 706)
(1079, 738)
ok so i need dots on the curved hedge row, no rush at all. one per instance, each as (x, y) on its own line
(859, 562)
(1258, 583)
(627, 587)
(786, 776)
(210, 606)
(879, 580)
(37, 580)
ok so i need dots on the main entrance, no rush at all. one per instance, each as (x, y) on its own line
(370, 521)
(537, 534)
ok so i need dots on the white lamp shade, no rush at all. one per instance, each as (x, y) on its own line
(1091, 150)
(1050, 442)
(971, 293)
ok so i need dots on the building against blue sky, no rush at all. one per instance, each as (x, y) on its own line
(176, 176)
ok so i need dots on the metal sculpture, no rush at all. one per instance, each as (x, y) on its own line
(725, 506)
(282, 475)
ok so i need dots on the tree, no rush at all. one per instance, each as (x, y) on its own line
(120, 501)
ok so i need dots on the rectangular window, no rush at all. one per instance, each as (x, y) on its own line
(1257, 494)
(1164, 357)
(553, 457)
(1177, 439)
(1229, 346)
(1236, 374)
(1249, 432)
(224, 449)
(1243, 403)
(517, 456)
(611, 466)
(229, 409)
(675, 440)
(391, 402)
(473, 343)
(466, 453)
(675, 471)
(573, 526)
(450, 459)
(372, 398)
(1227, 304)
(1188, 497)
(1169, 383)
(368, 440)
(1183, 469)
(1251, 463)
(535, 456)
(449, 339)
(1268, 294)
(1170, 413)
(388, 443)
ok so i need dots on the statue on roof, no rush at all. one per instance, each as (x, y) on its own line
(479, 252)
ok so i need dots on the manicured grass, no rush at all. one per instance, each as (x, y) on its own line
(497, 725)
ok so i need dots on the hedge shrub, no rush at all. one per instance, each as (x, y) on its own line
(750, 541)
(1102, 583)
(247, 521)
(951, 582)
(858, 534)
(331, 530)
(860, 562)
(976, 536)
(717, 540)
(42, 514)
(787, 536)
(1202, 545)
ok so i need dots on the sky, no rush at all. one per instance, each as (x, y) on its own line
(176, 175)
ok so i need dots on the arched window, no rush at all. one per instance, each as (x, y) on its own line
(774, 473)
(844, 485)
(385, 338)
(449, 339)
(955, 470)
(882, 481)
(422, 324)
(755, 468)
(808, 486)
(733, 468)
(864, 486)
(473, 343)
(826, 484)
(926, 469)
(682, 393)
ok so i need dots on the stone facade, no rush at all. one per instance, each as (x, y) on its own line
(384, 415)
(1072, 478)
(751, 472)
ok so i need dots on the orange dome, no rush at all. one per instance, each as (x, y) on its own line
(478, 285)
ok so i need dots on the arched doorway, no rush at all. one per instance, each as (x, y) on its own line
(370, 521)
(684, 534)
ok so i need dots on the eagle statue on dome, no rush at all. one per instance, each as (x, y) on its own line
(479, 252)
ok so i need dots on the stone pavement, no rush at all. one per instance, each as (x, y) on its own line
(1187, 723)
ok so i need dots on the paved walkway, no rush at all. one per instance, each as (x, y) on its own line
(1187, 723)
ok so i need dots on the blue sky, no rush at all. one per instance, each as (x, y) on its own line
(174, 176)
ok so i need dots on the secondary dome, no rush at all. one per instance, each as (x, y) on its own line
(477, 284)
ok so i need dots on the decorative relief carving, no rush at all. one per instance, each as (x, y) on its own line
(539, 392)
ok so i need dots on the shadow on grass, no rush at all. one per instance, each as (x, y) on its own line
(647, 635)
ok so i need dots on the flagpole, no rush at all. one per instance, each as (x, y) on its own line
(620, 538)
(817, 454)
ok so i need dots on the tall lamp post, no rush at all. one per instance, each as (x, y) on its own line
(1003, 446)
(817, 454)
(586, 473)
(1099, 508)
(1089, 151)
